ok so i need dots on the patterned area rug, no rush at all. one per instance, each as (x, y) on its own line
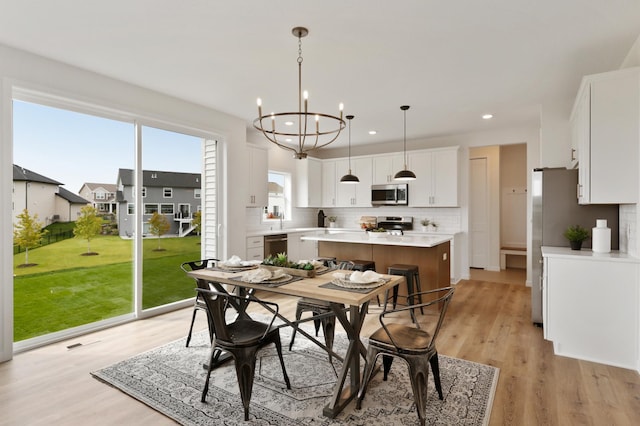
(170, 379)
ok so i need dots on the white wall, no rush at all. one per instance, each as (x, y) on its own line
(38, 74)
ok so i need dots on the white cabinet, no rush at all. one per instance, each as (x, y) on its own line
(298, 249)
(436, 183)
(329, 183)
(354, 195)
(308, 183)
(605, 124)
(255, 248)
(258, 170)
(590, 306)
(385, 168)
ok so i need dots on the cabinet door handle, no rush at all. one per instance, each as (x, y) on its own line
(573, 154)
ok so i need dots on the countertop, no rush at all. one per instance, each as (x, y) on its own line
(415, 240)
(327, 230)
(588, 254)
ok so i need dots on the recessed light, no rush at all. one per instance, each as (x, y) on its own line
(288, 123)
(372, 132)
(288, 140)
(487, 116)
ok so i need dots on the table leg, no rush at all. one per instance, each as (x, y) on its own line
(343, 395)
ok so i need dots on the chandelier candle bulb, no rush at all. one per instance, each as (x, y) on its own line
(601, 237)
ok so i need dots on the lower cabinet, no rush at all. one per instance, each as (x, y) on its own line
(590, 306)
(255, 248)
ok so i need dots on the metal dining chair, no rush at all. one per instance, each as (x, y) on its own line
(414, 342)
(241, 337)
(320, 307)
(199, 304)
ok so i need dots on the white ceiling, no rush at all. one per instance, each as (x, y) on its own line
(451, 61)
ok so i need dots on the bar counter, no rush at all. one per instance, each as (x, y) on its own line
(431, 253)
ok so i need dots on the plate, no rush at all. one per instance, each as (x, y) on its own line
(350, 284)
(278, 279)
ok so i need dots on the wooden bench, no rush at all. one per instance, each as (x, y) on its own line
(515, 251)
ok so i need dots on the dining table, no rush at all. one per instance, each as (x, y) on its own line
(349, 305)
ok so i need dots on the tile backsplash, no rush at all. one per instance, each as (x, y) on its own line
(447, 219)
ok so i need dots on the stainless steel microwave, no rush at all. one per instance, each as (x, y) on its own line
(390, 195)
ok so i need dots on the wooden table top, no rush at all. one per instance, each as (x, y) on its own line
(306, 287)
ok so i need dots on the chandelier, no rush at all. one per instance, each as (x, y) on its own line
(314, 130)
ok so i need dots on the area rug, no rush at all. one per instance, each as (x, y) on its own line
(170, 380)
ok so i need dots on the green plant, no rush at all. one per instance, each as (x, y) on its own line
(28, 233)
(283, 261)
(332, 218)
(378, 230)
(576, 233)
(425, 222)
(88, 226)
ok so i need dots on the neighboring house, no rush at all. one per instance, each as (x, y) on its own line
(174, 194)
(43, 196)
(101, 195)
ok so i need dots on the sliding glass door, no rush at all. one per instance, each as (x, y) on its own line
(75, 187)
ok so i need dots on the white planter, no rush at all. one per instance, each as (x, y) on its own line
(332, 224)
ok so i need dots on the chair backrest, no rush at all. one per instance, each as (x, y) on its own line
(194, 265)
(218, 303)
(343, 264)
(441, 298)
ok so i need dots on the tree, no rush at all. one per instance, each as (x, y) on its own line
(28, 233)
(158, 226)
(197, 221)
(88, 226)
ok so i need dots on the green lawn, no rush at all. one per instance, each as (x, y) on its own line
(66, 289)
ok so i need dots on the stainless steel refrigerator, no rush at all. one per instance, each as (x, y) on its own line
(554, 208)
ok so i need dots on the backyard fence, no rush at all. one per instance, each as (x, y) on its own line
(50, 238)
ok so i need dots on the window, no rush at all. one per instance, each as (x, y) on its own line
(150, 208)
(130, 209)
(100, 195)
(166, 208)
(167, 192)
(279, 196)
(196, 193)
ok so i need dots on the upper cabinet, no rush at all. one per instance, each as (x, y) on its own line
(354, 195)
(329, 183)
(605, 127)
(384, 168)
(436, 183)
(258, 170)
(308, 183)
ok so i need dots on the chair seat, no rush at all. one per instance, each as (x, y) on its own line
(247, 332)
(406, 337)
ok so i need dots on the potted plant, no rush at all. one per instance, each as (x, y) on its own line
(332, 221)
(426, 223)
(576, 234)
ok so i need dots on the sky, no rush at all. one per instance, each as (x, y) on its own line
(74, 148)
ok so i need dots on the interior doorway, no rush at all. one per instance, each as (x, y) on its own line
(498, 207)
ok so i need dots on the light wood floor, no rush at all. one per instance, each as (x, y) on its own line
(487, 322)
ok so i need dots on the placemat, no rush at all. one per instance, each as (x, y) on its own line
(275, 284)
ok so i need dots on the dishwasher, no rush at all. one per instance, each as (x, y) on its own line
(274, 244)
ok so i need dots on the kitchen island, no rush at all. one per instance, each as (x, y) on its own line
(431, 253)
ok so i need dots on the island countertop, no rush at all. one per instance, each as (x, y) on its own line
(389, 240)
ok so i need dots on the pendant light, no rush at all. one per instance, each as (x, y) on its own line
(349, 178)
(405, 174)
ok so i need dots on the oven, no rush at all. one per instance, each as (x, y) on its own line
(274, 244)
